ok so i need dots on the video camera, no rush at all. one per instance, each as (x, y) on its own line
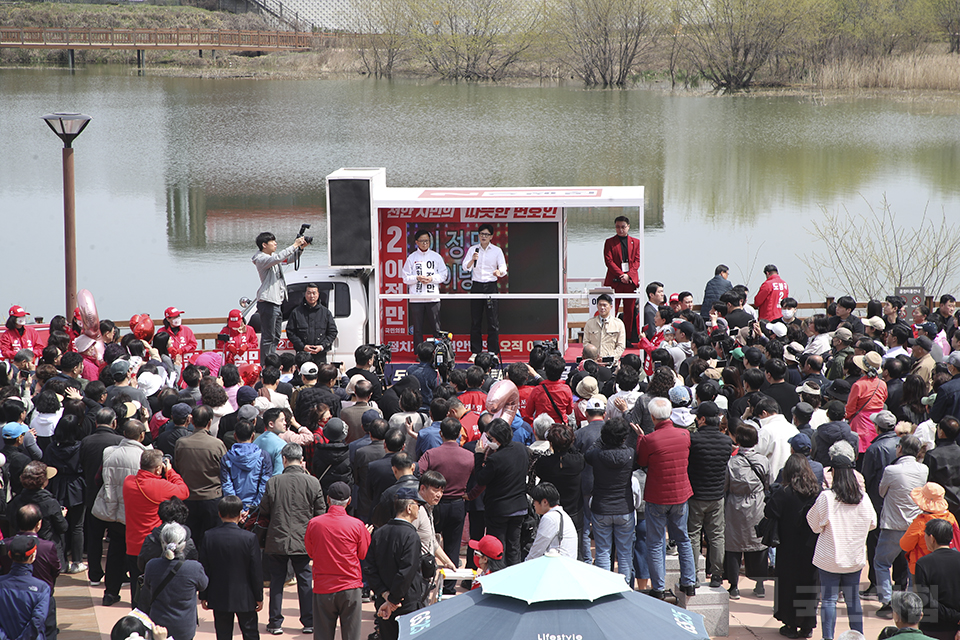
(383, 355)
(552, 346)
(444, 356)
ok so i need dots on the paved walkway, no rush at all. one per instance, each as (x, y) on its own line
(81, 617)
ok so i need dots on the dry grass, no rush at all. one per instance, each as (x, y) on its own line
(929, 72)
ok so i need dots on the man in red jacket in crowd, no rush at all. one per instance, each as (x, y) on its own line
(552, 396)
(771, 293)
(337, 543)
(142, 494)
(665, 453)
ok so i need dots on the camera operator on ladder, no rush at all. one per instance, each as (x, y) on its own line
(486, 264)
(273, 288)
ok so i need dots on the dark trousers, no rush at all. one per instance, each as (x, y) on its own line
(424, 315)
(507, 530)
(50, 624)
(116, 554)
(271, 321)
(390, 629)
(448, 522)
(278, 575)
(344, 606)
(629, 314)
(73, 539)
(754, 564)
(872, 537)
(478, 525)
(203, 516)
(477, 308)
(247, 620)
(135, 574)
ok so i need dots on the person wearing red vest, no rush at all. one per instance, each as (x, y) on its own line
(18, 335)
(182, 340)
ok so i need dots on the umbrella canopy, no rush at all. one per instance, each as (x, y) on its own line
(551, 578)
(479, 616)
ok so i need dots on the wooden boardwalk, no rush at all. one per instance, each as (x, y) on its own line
(142, 39)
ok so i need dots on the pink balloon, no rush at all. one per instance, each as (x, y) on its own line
(503, 400)
(89, 317)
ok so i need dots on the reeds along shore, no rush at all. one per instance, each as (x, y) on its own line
(930, 68)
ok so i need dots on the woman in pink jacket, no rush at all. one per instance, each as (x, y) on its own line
(867, 397)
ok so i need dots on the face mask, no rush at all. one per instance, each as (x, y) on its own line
(789, 314)
(175, 322)
(493, 445)
(21, 322)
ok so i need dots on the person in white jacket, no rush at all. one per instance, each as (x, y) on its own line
(556, 530)
(423, 273)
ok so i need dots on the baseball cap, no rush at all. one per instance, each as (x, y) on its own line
(171, 312)
(368, 417)
(246, 395)
(235, 319)
(804, 409)
(680, 396)
(884, 419)
(17, 311)
(248, 412)
(309, 369)
(119, 366)
(180, 411)
(954, 359)
(923, 342)
(843, 334)
(339, 491)
(489, 546)
(13, 430)
(800, 443)
(21, 548)
(596, 403)
(674, 297)
(687, 328)
(706, 409)
(409, 493)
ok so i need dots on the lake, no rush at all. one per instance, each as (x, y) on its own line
(176, 176)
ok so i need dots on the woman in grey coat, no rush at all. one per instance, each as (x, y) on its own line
(743, 509)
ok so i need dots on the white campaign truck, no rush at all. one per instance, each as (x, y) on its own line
(345, 292)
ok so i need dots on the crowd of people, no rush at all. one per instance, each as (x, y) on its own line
(781, 449)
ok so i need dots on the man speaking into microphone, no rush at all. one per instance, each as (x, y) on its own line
(486, 264)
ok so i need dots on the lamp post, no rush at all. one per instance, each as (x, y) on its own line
(68, 126)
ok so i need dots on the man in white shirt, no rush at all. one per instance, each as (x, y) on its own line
(774, 436)
(423, 273)
(556, 530)
(486, 264)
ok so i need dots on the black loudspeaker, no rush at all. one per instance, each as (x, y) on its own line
(351, 227)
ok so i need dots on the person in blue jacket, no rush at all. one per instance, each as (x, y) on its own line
(24, 600)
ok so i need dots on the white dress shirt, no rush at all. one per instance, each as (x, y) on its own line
(425, 263)
(488, 261)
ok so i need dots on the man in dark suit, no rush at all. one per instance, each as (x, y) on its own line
(938, 582)
(380, 472)
(231, 558)
(621, 254)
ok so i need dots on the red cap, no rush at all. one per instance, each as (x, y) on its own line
(235, 319)
(172, 312)
(489, 546)
(76, 313)
(17, 311)
(674, 297)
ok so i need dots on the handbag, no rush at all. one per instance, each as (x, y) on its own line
(257, 522)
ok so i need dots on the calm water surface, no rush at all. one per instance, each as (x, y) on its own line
(176, 176)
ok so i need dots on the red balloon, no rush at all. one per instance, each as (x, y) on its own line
(144, 328)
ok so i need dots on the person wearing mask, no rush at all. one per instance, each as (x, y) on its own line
(182, 341)
(842, 517)
(501, 466)
(18, 335)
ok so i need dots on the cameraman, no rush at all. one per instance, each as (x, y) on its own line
(311, 327)
(273, 288)
(365, 356)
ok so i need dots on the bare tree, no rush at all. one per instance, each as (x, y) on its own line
(384, 28)
(730, 40)
(473, 39)
(867, 255)
(603, 38)
(947, 16)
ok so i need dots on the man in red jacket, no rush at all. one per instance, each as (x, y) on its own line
(665, 453)
(337, 543)
(771, 293)
(552, 396)
(621, 254)
(142, 494)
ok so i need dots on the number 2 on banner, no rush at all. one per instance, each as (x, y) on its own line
(393, 244)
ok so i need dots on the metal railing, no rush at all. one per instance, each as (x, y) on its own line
(156, 39)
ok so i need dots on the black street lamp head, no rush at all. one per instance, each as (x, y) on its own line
(67, 126)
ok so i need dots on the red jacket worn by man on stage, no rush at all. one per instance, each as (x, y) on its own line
(613, 258)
